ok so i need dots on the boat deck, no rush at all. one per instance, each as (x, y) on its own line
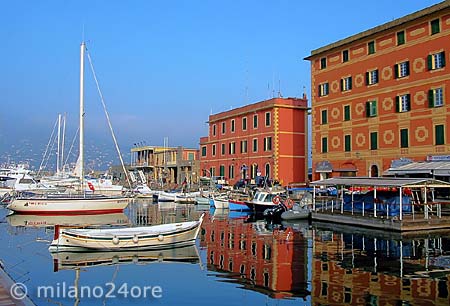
(409, 223)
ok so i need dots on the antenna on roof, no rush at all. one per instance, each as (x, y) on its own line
(279, 89)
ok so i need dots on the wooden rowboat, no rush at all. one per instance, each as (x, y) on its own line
(127, 238)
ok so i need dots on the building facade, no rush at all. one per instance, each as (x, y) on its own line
(267, 138)
(166, 166)
(380, 96)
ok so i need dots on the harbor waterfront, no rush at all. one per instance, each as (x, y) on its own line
(238, 259)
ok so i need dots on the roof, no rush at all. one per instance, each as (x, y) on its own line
(381, 28)
(437, 168)
(381, 181)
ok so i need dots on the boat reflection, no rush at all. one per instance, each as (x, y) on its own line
(269, 261)
(355, 266)
(76, 260)
(19, 220)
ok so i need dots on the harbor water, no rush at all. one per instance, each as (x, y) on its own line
(239, 259)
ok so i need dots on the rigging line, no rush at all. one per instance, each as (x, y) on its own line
(46, 148)
(107, 117)
(71, 147)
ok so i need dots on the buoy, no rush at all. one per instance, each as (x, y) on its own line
(160, 237)
(276, 200)
(135, 239)
(115, 240)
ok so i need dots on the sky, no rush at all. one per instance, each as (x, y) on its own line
(163, 66)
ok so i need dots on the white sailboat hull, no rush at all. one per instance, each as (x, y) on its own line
(67, 205)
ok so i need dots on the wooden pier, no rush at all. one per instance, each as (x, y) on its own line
(6, 298)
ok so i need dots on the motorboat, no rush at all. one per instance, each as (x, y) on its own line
(265, 198)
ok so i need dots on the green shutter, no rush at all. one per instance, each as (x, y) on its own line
(409, 101)
(319, 91)
(373, 141)
(439, 134)
(367, 78)
(407, 68)
(443, 58)
(350, 83)
(396, 71)
(367, 109)
(342, 84)
(430, 62)
(397, 104)
(431, 98)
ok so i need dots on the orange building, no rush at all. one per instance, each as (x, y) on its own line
(268, 137)
(380, 95)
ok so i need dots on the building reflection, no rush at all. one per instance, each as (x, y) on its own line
(350, 266)
(272, 262)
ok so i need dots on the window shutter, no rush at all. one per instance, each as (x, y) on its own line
(431, 98)
(397, 104)
(408, 98)
(407, 68)
(430, 62)
(342, 84)
(396, 71)
(367, 109)
(367, 78)
(320, 91)
(443, 58)
(350, 83)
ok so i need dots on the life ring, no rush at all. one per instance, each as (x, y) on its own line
(276, 200)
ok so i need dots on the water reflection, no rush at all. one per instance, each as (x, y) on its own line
(354, 266)
(269, 261)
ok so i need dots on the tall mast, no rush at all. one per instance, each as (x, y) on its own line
(59, 145)
(81, 157)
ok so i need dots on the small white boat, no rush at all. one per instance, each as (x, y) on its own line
(264, 199)
(220, 202)
(129, 238)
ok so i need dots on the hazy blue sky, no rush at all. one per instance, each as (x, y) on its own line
(163, 66)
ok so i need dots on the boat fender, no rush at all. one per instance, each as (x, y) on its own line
(115, 240)
(115, 260)
(276, 200)
(135, 259)
(135, 239)
(160, 237)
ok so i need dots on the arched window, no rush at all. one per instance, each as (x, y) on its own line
(267, 170)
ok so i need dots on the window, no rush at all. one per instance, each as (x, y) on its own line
(212, 171)
(400, 38)
(324, 144)
(222, 170)
(345, 56)
(222, 151)
(232, 147)
(347, 116)
(214, 150)
(324, 89)
(348, 143)
(232, 125)
(191, 156)
(243, 146)
(324, 116)
(255, 145)
(323, 63)
(255, 121)
(214, 130)
(231, 171)
(435, 97)
(435, 26)
(371, 47)
(439, 134)
(372, 77)
(268, 144)
(374, 140)
(346, 84)
(401, 70)
(371, 109)
(268, 119)
(404, 138)
(436, 60)
(223, 127)
(403, 103)
(204, 151)
(244, 123)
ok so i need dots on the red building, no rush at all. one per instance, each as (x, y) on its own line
(268, 138)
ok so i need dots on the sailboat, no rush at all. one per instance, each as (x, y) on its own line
(80, 203)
